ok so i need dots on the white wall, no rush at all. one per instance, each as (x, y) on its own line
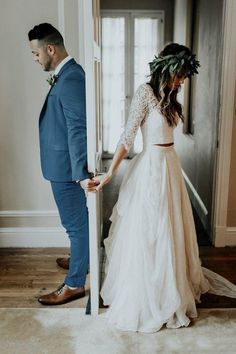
(27, 210)
(197, 151)
(217, 32)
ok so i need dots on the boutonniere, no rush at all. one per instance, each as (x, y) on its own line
(52, 79)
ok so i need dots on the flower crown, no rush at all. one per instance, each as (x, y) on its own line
(173, 63)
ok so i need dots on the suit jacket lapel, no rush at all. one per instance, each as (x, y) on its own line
(44, 105)
(64, 68)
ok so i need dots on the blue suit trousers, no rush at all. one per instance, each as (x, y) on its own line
(71, 203)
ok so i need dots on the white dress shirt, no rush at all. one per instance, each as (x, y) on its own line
(62, 63)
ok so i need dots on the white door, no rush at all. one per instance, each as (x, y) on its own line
(89, 35)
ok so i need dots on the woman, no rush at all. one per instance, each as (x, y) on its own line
(153, 271)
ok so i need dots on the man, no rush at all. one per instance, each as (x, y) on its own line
(63, 152)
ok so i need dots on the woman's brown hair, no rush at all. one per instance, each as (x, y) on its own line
(166, 97)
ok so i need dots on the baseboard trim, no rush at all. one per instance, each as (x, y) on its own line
(33, 237)
(225, 236)
(230, 237)
(27, 213)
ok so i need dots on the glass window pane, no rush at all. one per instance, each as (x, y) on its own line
(113, 80)
(146, 45)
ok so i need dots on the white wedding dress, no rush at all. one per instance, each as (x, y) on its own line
(153, 271)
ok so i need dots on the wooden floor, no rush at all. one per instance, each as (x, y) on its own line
(223, 262)
(27, 273)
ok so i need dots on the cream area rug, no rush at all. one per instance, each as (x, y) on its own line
(70, 331)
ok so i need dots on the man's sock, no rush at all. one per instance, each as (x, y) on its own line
(72, 287)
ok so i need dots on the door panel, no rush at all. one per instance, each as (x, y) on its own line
(90, 38)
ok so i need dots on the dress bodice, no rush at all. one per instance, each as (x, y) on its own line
(144, 112)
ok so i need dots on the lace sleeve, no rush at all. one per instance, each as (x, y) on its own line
(137, 113)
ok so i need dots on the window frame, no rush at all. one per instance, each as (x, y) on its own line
(130, 16)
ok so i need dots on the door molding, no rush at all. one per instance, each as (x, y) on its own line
(221, 234)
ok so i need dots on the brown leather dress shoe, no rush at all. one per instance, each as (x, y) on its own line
(62, 295)
(63, 262)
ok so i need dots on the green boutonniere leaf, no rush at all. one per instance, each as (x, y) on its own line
(52, 79)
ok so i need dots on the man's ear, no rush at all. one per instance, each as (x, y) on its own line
(51, 49)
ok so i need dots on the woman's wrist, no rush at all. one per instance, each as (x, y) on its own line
(110, 173)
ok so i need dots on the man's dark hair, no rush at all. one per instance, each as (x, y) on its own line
(47, 34)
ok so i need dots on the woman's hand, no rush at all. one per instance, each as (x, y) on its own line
(102, 180)
(88, 185)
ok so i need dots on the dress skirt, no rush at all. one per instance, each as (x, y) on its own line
(153, 271)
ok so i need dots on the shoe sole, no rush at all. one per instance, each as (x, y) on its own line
(72, 298)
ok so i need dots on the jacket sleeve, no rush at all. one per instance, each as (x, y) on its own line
(74, 107)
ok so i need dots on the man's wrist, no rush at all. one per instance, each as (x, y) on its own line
(90, 176)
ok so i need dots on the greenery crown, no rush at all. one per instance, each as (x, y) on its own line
(172, 64)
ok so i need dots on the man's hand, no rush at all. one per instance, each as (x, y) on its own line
(89, 185)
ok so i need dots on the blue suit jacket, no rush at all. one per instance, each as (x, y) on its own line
(62, 127)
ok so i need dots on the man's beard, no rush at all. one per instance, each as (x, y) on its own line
(48, 65)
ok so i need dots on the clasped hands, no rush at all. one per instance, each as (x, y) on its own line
(96, 183)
